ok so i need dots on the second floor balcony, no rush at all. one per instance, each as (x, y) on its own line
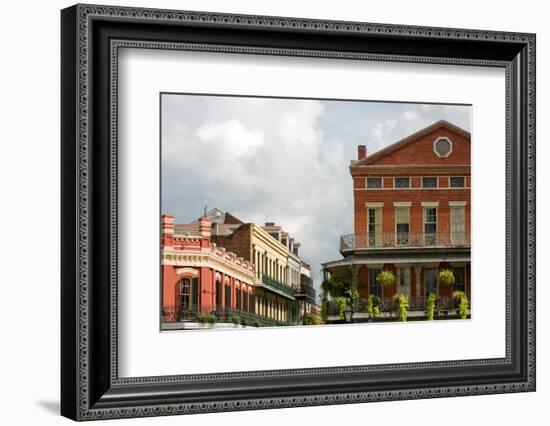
(278, 286)
(404, 240)
(305, 288)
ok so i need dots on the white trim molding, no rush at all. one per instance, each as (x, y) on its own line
(368, 204)
(429, 203)
(445, 138)
(458, 203)
(402, 203)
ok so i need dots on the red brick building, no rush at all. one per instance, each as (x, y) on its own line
(199, 278)
(411, 216)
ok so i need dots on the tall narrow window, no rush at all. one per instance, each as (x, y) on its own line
(375, 288)
(460, 279)
(227, 296)
(402, 219)
(218, 294)
(404, 281)
(458, 226)
(185, 293)
(374, 226)
(430, 226)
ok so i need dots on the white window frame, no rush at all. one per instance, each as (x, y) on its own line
(450, 144)
(433, 177)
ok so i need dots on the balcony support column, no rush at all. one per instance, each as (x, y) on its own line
(417, 271)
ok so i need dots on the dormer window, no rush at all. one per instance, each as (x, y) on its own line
(443, 147)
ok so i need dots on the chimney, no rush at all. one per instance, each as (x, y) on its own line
(361, 152)
(205, 227)
(167, 224)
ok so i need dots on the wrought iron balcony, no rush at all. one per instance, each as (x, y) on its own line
(272, 283)
(223, 314)
(388, 304)
(404, 240)
(305, 289)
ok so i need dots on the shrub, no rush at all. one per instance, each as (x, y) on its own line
(430, 306)
(402, 301)
(341, 303)
(256, 323)
(236, 319)
(386, 278)
(207, 319)
(462, 303)
(446, 277)
(311, 319)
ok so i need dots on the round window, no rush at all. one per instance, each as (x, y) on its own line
(443, 147)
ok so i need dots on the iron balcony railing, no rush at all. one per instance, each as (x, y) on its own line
(389, 304)
(404, 239)
(305, 290)
(222, 314)
(277, 285)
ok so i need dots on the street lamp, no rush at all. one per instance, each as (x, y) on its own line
(348, 313)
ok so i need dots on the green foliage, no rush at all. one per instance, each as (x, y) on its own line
(373, 306)
(341, 302)
(324, 310)
(334, 285)
(236, 319)
(446, 277)
(402, 302)
(257, 323)
(354, 296)
(430, 306)
(462, 303)
(311, 319)
(386, 278)
(207, 319)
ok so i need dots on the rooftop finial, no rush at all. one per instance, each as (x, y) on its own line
(205, 208)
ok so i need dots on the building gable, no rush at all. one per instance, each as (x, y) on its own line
(421, 148)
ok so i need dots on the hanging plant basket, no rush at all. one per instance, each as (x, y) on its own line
(446, 277)
(386, 278)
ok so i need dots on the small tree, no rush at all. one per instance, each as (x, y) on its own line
(446, 277)
(430, 306)
(311, 319)
(402, 301)
(385, 278)
(462, 303)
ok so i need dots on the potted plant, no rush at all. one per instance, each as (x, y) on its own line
(446, 277)
(236, 320)
(402, 302)
(373, 306)
(207, 319)
(341, 303)
(430, 306)
(462, 303)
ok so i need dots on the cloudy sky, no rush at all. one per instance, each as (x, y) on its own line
(280, 160)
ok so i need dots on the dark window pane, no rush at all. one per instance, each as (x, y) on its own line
(374, 182)
(402, 182)
(443, 147)
(457, 182)
(429, 182)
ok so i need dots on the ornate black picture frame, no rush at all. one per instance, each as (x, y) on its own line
(91, 37)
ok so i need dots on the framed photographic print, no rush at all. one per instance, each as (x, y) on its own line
(263, 212)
